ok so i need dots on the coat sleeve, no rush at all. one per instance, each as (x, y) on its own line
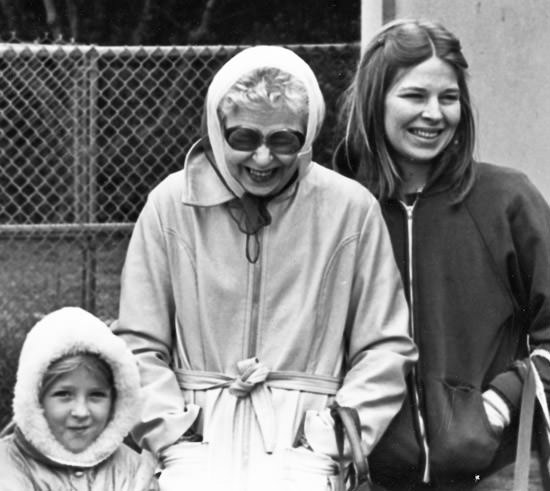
(10, 481)
(144, 468)
(380, 350)
(16, 474)
(528, 268)
(146, 323)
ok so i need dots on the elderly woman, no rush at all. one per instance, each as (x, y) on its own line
(260, 287)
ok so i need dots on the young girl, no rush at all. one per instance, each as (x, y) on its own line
(76, 398)
(473, 244)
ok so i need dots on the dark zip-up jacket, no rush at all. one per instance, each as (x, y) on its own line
(478, 273)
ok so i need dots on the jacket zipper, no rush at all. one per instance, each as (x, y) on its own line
(409, 210)
(254, 308)
(251, 352)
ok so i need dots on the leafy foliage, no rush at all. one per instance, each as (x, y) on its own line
(178, 22)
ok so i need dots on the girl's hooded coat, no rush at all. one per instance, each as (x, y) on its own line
(31, 458)
(239, 351)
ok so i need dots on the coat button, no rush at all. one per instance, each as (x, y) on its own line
(79, 473)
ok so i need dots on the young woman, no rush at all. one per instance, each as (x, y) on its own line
(473, 244)
(258, 288)
(76, 397)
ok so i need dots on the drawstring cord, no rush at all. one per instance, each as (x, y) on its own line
(253, 212)
(252, 253)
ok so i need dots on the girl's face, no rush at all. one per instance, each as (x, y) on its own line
(77, 407)
(422, 111)
(263, 170)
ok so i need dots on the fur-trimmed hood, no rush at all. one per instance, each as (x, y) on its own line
(67, 331)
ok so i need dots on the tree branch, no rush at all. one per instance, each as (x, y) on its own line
(202, 30)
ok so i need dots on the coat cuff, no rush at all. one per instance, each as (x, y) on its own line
(166, 431)
(508, 386)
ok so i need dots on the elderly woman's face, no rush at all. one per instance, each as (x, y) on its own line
(261, 147)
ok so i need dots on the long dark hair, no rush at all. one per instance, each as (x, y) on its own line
(400, 45)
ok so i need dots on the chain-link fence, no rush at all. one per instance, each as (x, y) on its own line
(85, 133)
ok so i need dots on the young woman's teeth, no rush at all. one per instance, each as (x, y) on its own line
(425, 133)
(260, 175)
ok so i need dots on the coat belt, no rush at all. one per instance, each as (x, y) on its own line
(253, 381)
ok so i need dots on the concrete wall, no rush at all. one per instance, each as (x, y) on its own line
(507, 44)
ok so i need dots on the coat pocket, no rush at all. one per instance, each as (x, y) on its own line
(459, 433)
(185, 466)
(304, 469)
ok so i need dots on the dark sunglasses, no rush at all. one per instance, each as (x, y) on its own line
(283, 141)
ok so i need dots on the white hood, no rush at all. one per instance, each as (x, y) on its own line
(244, 62)
(72, 330)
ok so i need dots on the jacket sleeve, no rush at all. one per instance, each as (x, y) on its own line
(16, 474)
(10, 481)
(380, 350)
(146, 323)
(528, 267)
(143, 474)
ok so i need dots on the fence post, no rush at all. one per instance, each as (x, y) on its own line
(79, 152)
(90, 128)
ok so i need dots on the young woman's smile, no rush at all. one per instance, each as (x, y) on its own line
(264, 170)
(422, 111)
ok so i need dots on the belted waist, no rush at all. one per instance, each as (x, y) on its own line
(252, 373)
(253, 380)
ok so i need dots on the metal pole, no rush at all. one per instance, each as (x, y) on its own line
(79, 152)
(90, 243)
(372, 18)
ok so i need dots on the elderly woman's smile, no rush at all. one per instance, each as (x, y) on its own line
(267, 168)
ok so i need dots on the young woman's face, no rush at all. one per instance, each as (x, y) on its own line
(263, 170)
(77, 407)
(422, 111)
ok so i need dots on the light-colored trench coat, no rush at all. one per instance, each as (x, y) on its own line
(239, 351)
(324, 293)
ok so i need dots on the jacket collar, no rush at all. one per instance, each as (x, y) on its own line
(28, 449)
(202, 186)
(347, 164)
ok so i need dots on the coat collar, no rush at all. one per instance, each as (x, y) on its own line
(202, 186)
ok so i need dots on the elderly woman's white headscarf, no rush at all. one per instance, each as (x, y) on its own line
(243, 63)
